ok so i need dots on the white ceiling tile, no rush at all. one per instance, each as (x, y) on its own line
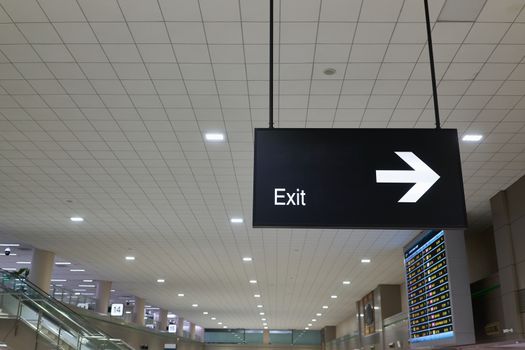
(340, 10)
(156, 52)
(220, 10)
(373, 33)
(112, 33)
(500, 11)
(409, 33)
(380, 10)
(474, 53)
(108, 86)
(29, 12)
(149, 32)
(101, 10)
(131, 71)
(196, 71)
(191, 53)
(403, 53)
(140, 10)
(34, 71)
(53, 53)
(223, 32)
(20, 53)
(297, 53)
(227, 53)
(66, 70)
(163, 70)
(296, 33)
(367, 53)
(186, 32)
(75, 86)
(450, 32)
(362, 70)
(335, 33)
(121, 53)
(98, 70)
(487, 33)
(9, 34)
(463, 71)
(62, 10)
(331, 53)
(300, 10)
(76, 33)
(87, 52)
(39, 33)
(495, 71)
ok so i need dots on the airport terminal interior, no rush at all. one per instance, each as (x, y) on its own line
(262, 174)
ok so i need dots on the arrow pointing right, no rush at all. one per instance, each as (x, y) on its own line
(422, 176)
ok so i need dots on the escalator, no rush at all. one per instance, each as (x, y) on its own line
(32, 319)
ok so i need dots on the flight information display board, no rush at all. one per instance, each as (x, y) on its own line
(428, 288)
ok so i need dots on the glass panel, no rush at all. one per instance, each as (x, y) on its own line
(253, 336)
(280, 337)
(9, 304)
(228, 336)
(305, 337)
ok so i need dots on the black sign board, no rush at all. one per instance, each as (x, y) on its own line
(358, 178)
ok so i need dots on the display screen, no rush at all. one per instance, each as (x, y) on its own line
(430, 309)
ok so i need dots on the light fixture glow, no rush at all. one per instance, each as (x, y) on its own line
(77, 270)
(263, 319)
(261, 313)
(325, 306)
(219, 323)
(247, 259)
(314, 320)
(87, 285)
(472, 137)
(89, 281)
(23, 262)
(265, 324)
(214, 136)
(224, 326)
(309, 325)
(259, 306)
(76, 219)
(58, 280)
(180, 294)
(365, 260)
(265, 327)
(161, 280)
(62, 263)
(318, 314)
(346, 282)
(195, 305)
(256, 295)
(306, 328)
(333, 296)
(205, 312)
(9, 245)
(213, 318)
(236, 220)
(130, 258)
(253, 281)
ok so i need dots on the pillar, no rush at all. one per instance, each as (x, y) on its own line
(163, 319)
(180, 326)
(266, 336)
(41, 269)
(139, 311)
(103, 295)
(504, 239)
(192, 330)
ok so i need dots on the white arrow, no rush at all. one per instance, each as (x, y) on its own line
(422, 176)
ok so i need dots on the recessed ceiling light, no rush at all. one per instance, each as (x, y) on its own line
(365, 260)
(236, 220)
(472, 137)
(314, 320)
(58, 280)
(130, 258)
(112, 291)
(62, 263)
(259, 306)
(265, 324)
(219, 323)
(76, 219)
(261, 313)
(87, 285)
(180, 294)
(256, 295)
(265, 327)
(128, 312)
(253, 281)
(9, 268)
(247, 259)
(161, 280)
(325, 306)
(9, 245)
(205, 312)
(333, 296)
(329, 71)
(346, 282)
(306, 328)
(23, 262)
(77, 270)
(224, 326)
(318, 314)
(89, 281)
(263, 319)
(213, 318)
(309, 325)
(195, 305)
(214, 136)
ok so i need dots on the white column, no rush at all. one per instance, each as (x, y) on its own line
(139, 311)
(266, 336)
(103, 295)
(180, 326)
(163, 319)
(41, 270)
(192, 330)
